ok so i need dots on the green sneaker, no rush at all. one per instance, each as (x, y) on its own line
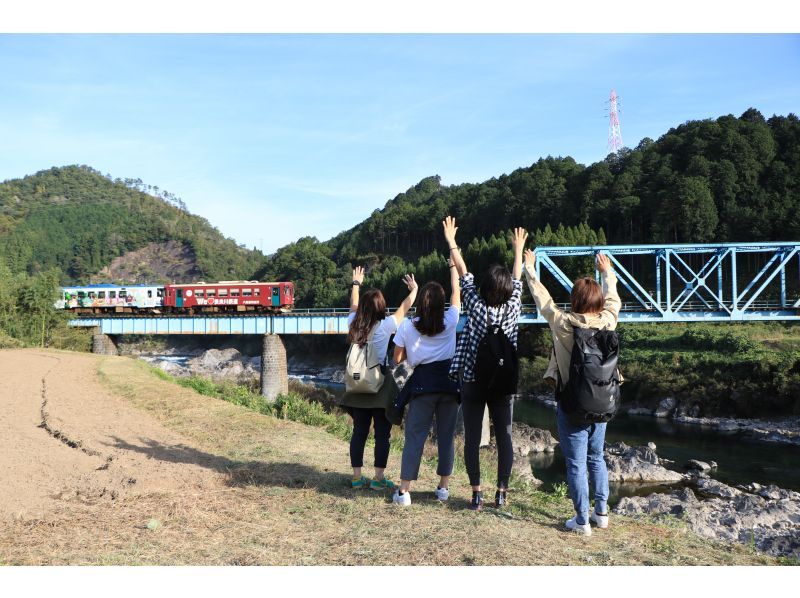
(360, 482)
(383, 484)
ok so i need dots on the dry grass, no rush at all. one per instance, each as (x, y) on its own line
(286, 501)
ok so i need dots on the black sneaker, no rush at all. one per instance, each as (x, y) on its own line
(477, 501)
(500, 499)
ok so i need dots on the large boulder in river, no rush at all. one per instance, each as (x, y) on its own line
(713, 488)
(637, 464)
(666, 407)
(213, 359)
(527, 439)
(521, 469)
(695, 464)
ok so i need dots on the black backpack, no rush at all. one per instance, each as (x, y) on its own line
(591, 394)
(496, 363)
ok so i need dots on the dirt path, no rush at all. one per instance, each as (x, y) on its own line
(64, 437)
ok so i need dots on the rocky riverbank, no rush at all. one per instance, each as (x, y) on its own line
(784, 430)
(765, 517)
(768, 517)
(232, 365)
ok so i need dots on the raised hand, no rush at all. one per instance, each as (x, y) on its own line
(603, 263)
(410, 282)
(358, 274)
(518, 239)
(530, 258)
(450, 230)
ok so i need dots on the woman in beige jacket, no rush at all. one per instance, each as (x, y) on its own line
(592, 306)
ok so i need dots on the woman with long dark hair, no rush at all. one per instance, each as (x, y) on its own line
(427, 343)
(496, 304)
(369, 325)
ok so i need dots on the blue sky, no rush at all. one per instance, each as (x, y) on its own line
(274, 137)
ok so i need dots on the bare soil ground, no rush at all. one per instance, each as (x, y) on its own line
(155, 262)
(94, 448)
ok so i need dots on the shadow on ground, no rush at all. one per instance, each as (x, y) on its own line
(244, 473)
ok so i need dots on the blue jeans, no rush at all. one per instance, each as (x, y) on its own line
(583, 446)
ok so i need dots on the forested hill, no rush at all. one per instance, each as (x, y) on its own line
(729, 179)
(77, 220)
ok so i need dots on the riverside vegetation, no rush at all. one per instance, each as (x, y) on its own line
(734, 370)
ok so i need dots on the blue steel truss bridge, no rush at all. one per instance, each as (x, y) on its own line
(731, 282)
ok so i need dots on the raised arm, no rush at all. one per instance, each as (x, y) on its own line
(358, 279)
(612, 302)
(518, 238)
(450, 230)
(408, 301)
(544, 302)
(455, 286)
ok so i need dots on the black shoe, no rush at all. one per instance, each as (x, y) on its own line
(500, 499)
(477, 501)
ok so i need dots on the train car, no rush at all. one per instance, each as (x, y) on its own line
(229, 295)
(101, 298)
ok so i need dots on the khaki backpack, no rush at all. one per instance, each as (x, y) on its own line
(363, 373)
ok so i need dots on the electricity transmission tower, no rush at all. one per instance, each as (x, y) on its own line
(614, 133)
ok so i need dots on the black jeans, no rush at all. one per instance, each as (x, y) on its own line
(473, 403)
(361, 422)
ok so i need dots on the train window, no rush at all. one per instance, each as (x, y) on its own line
(91, 295)
(234, 292)
(112, 294)
(81, 294)
(101, 295)
(223, 292)
(257, 292)
(199, 293)
(149, 293)
(180, 293)
(211, 293)
(247, 292)
(159, 292)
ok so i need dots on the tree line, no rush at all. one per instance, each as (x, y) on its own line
(724, 180)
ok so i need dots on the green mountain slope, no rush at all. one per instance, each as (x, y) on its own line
(77, 220)
(729, 179)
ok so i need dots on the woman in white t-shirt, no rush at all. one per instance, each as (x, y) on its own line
(428, 343)
(368, 312)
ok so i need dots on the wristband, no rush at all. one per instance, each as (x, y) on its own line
(452, 248)
(355, 283)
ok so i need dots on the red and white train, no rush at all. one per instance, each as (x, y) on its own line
(188, 298)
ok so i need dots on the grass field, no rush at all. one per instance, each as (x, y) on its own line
(254, 488)
(286, 500)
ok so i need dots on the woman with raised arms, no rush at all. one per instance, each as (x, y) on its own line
(369, 325)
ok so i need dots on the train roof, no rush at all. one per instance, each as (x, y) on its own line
(112, 286)
(224, 283)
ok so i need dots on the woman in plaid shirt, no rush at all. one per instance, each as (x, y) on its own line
(497, 301)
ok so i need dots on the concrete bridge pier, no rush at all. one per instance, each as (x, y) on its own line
(274, 372)
(103, 344)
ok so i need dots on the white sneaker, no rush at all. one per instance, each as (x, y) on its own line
(600, 520)
(585, 529)
(442, 494)
(404, 500)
